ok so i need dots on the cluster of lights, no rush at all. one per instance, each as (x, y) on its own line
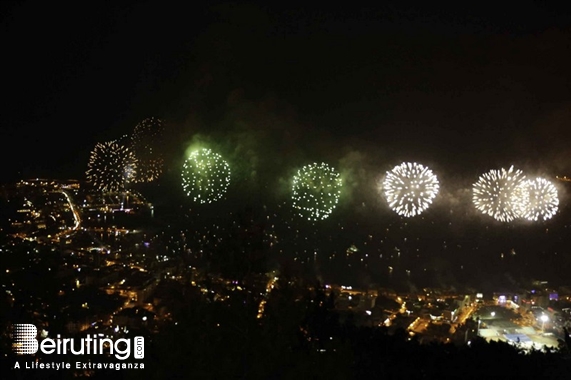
(145, 142)
(316, 190)
(205, 176)
(410, 188)
(111, 167)
(507, 195)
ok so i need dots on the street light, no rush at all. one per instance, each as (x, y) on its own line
(493, 314)
(544, 318)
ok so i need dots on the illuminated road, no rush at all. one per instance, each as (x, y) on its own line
(76, 217)
(269, 286)
(73, 210)
(462, 318)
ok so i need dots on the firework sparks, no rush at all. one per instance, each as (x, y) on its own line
(536, 199)
(145, 142)
(205, 176)
(410, 188)
(494, 193)
(111, 167)
(316, 190)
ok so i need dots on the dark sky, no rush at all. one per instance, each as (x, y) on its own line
(468, 87)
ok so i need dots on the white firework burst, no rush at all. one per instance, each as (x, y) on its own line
(410, 188)
(536, 199)
(111, 167)
(495, 193)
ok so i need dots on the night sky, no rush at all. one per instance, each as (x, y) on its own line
(463, 89)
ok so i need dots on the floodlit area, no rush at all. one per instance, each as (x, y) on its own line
(499, 323)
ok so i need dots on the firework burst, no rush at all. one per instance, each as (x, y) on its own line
(410, 188)
(495, 193)
(536, 199)
(316, 190)
(145, 142)
(111, 167)
(205, 176)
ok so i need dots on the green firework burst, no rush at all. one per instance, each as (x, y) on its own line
(316, 191)
(205, 176)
